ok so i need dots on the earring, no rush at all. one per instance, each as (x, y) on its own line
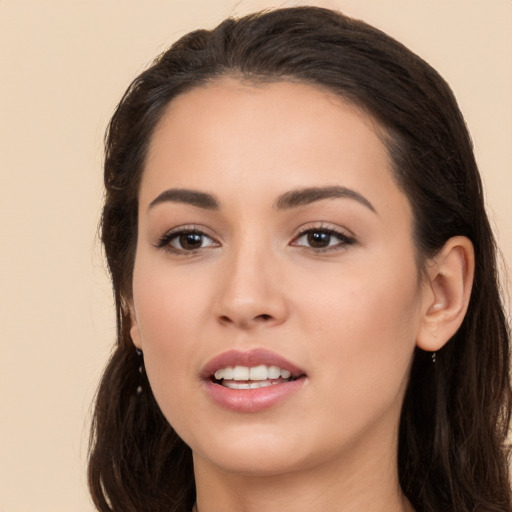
(139, 354)
(433, 353)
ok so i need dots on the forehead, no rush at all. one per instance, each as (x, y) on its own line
(279, 135)
(232, 100)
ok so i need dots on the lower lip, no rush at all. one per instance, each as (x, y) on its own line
(252, 400)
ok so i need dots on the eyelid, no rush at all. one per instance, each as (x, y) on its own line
(164, 241)
(345, 236)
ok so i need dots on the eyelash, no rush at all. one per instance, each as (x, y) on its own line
(165, 242)
(344, 239)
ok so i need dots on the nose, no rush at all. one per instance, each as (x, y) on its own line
(250, 291)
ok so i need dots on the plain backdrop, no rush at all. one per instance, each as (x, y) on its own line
(64, 65)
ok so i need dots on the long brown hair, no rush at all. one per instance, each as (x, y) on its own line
(456, 412)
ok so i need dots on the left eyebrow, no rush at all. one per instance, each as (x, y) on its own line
(302, 197)
(186, 196)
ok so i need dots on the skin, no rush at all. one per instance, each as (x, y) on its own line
(349, 314)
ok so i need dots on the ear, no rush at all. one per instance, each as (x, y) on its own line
(447, 290)
(134, 326)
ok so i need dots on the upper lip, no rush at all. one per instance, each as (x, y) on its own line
(249, 358)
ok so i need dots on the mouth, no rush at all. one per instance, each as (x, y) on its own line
(252, 377)
(251, 381)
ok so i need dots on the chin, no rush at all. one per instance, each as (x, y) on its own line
(259, 455)
(257, 463)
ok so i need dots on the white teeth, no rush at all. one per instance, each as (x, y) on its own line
(262, 384)
(237, 385)
(241, 373)
(246, 385)
(258, 373)
(255, 373)
(274, 372)
(229, 373)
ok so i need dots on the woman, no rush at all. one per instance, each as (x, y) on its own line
(308, 309)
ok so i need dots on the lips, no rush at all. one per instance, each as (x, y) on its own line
(251, 381)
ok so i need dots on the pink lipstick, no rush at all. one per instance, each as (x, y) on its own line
(251, 381)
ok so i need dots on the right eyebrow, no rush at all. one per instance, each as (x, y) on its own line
(187, 196)
(304, 196)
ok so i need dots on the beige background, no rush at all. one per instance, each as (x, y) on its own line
(64, 65)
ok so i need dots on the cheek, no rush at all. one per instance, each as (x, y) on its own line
(379, 299)
(169, 301)
(365, 329)
(169, 308)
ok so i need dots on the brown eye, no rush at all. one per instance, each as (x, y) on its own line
(318, 239)
(186, 241)
(190, 241)
(322, 239)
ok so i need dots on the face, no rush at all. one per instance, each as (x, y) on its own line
(276, 296)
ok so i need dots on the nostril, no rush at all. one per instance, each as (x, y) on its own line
(225, 319)
(264, 317)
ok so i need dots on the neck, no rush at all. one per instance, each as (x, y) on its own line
(350, 487)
